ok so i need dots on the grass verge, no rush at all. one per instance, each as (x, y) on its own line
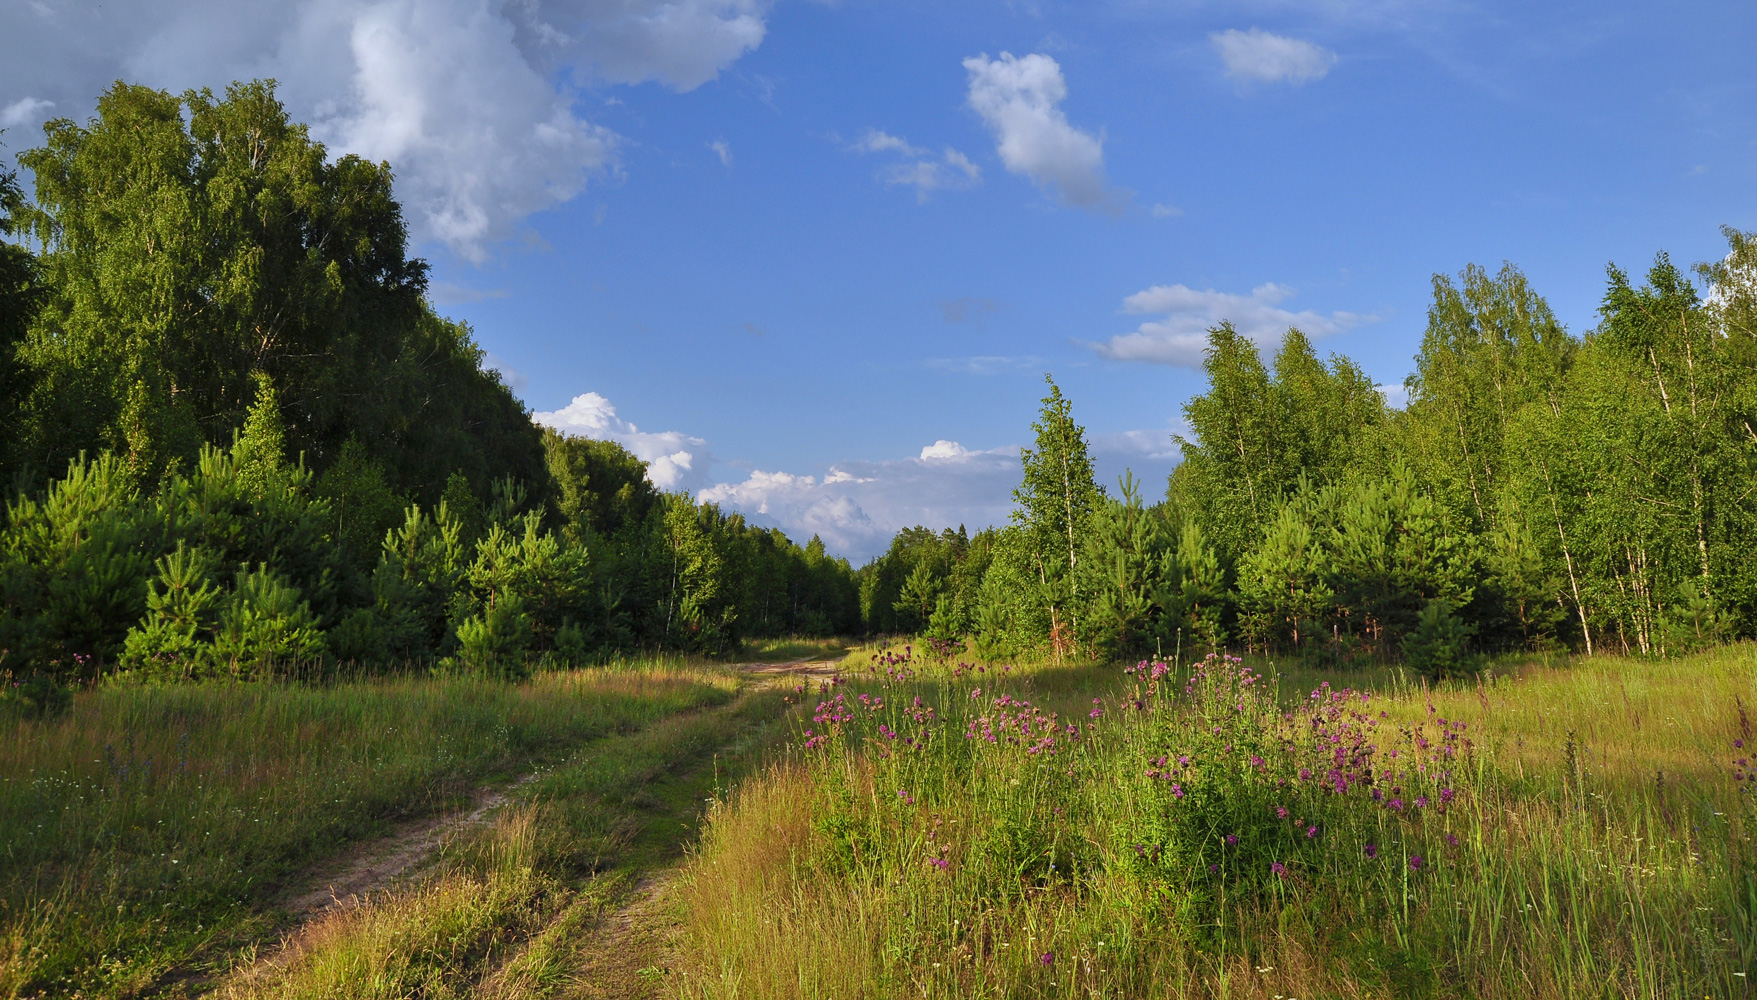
(150, 830)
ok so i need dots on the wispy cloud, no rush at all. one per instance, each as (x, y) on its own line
(986, 364)
(1256, 56)
(875, 141)
(24, 111)
(966, 310)
(921, 169)
(722, 150)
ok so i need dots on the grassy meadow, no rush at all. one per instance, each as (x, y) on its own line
(1572, 828)
(918, 826)
(149, 834)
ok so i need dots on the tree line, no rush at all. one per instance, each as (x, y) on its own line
(1539, 490)
(239, 436)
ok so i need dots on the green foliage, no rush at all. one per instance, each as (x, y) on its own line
(361, 501)
(600, 487)
(192, 242)
(225, 344)
(21, 293)
(1492, 346)
(1282, 583)
(265, 624)
(1260, 435)
(1439, 644)
(1056, 502)
(1130, 564)
(182, 605)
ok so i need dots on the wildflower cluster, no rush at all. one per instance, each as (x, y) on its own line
(1017, 723)
(1233, 790)
(895, 667)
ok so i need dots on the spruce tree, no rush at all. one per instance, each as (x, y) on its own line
(1056, 502)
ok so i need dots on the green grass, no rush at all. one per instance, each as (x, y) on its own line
(1597, 844)
(510, 914)
(784, 650)
(150, 831)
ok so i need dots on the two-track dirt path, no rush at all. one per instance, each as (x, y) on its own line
(623, 952)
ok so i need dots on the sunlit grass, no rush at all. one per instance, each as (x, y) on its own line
(1598, 844)
(149, 828)
(788, 648)
(510, 912)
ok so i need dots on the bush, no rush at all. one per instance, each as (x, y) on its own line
(1439, 645)
(39, 696)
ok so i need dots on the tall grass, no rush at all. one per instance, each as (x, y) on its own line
(1576, 830)
(513, 914)
(151, 829)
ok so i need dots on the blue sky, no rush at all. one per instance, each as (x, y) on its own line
(813, 259)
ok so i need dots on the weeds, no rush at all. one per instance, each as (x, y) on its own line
(1202, 832)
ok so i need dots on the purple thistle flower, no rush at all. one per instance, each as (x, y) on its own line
(1231, 838)
(1279, 869)
(1415, 862)
(1280, 812)
(1311, 832)
(1421, 801)
(1372, 851)
(1451, 840)
(1048, 958)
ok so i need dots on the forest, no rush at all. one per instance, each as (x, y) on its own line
(240, 438)
(1540, 491)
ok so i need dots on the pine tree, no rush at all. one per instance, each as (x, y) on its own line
(1055, 505)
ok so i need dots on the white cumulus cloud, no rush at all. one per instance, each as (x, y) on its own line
(1181, 334)
(464, 98)
(858, 506)
(1256, 56)
(1019, 99)
(675, 461)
